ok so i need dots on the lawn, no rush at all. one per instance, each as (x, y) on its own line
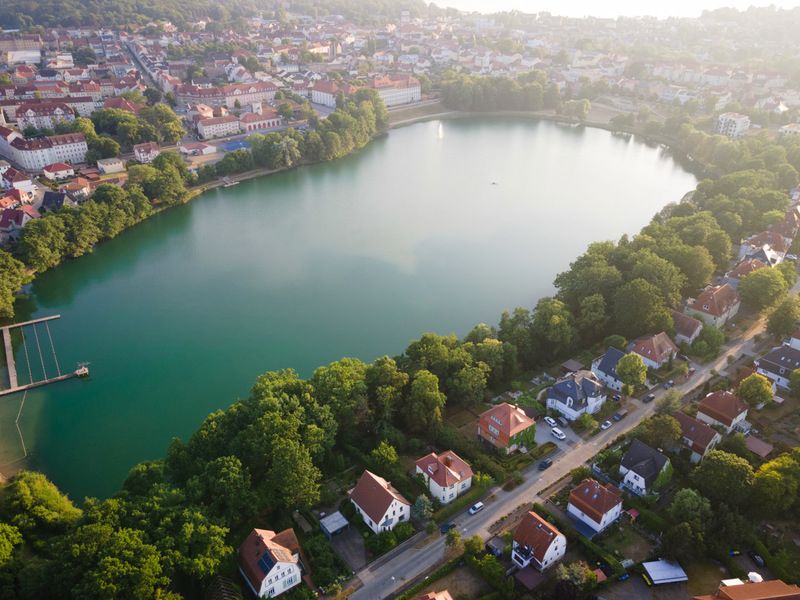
(461, 582)
(625, 542)
(704, 576)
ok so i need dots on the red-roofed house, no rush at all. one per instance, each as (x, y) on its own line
(745, 267)
(443, 595)
(596, 505)
(57, 171)
(447, 475)
(686, 328)
(722, 409)
(120, 103)
(380, 505)
(537, 543)
(716, 304)
(655, 350)
(13, 179)
(12, 220)
(697, 436)
(506, 427)
(736, 589)
(264, 121)
(270, 562)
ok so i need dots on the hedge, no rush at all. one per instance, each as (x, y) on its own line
(648, 518)
(773, 564)
(457, 505)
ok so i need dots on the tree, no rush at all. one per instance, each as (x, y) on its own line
(724, 478)
(43, 243)
(660, 431)
(755, 389)
(688, 506)
(36, 507)
(153, 95)
(593, 317)
(225, 487)
(578, 574)
(776, 484)
(553, 327)
(384, 455)
(342, 386)
(762, 288)
(10, 537)
(454, 541)
(783, 319)
(469, 383)
(12, 277)
(639, 308)
(102, 146)
(632, 371)
(425, 403)
(422, 509)
(661, 273)
(681, 541)
(669, 403)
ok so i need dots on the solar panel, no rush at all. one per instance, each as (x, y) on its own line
(266, 563)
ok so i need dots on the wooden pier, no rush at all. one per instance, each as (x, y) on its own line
(13, 378)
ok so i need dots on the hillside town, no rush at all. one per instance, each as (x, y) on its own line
(651, 453)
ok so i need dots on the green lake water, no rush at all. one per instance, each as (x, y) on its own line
(435, 227)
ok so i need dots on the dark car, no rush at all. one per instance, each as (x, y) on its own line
(618, 416)
(545, 464)
(649, 398)
(756, 558)
(445, 527)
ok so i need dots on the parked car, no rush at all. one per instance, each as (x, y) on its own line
(558, 434)
(545, 464)
(445, 527)
(550, 421)
(756, 558)
(649, 398)
(618, 416)
(616, 397)
(666, 385)
(683, 357)
(563, 421)
(475, 508)
(605, 425)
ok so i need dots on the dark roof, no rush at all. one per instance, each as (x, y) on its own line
(577, 386)
(608, 362)
(644, 460)
(53, 200)
(782, 357)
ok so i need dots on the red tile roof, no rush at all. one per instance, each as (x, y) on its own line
(374, 495)
(699, 434)
(722, 406)
(282, 547)
(445, 469)
(747, 266)
(594, 499)
(507, 419)
(536, 533)
(765, 590)
(716, 300)
(685, 325)
(657, 348)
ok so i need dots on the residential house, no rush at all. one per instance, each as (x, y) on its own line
(736, 589)
(109, 166)
(537, 543)
(78, 189)
(641, 466)
(576, 394)
(12, 220)
(745, 267)
(722, 409)
(716, 305)
(506, 427)
(656, 350)
(778, 364)
(13, 179)
(697, 436)
(773, 239)
(146, 153)
(43, 115)
(733, 124)
(58, 171)
(270, 562)
(379, 504)
(53, 201)
(605, 368)
(447, 475)
(686, 328)
(595, 505)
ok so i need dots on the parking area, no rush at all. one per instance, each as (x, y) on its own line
(636, 589)
(349, 545)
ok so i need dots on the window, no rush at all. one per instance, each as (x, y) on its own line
(493, 430)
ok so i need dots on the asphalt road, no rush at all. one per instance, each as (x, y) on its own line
(409, 562)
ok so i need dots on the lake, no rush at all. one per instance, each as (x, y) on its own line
(434, 227)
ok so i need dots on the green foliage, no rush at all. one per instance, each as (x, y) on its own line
(10, 537)
(631, 370)
(669, 402)
(384, 455)
(660, 431)
(755, 389)
(784, 317)
(762, 288)
(12, 277)
(422, 509)
(724, 478)
(425, 403)
(34, 505)
(776, 485)
(639, 308)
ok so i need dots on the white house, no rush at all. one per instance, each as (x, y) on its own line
(778, 364)
(715, 305)
(270, 562)
(57, 171)
(595, 505)
(605, 368)
(640, 466)
(447, 475)
(686, 328)
(146, 153)
(655, 350)
(699, 437)
(577, 393)
(537, 543)
(379, 504)
(733, 124)
(395, 90)
(722, 409)
(217, 127)
(108, 166)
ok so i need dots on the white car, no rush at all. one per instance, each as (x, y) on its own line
(558, 434)
(475, 508)
(550, 421)
(605, 425)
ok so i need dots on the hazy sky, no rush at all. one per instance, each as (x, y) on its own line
(611, 8)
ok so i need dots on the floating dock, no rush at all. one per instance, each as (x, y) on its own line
(13, 378)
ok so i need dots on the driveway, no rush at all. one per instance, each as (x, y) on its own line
(349, 545)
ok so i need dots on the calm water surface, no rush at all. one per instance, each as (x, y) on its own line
(351, 258)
